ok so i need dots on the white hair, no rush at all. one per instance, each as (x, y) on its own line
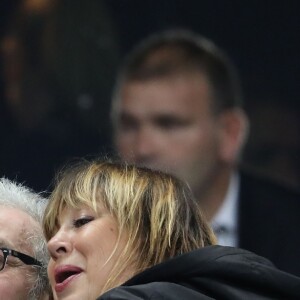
(18, 196)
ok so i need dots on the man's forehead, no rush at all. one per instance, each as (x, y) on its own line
(166, 96)
(14, 225)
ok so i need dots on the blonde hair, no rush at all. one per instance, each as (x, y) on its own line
(156, 211)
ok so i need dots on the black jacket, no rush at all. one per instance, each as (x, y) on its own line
(269, 221)
(213, 272)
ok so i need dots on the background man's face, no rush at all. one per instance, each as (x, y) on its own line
(14, 280)
(167, 124)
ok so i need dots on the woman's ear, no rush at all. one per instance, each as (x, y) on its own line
(234, 127)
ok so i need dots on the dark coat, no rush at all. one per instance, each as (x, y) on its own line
(214, 272)
(269, 221)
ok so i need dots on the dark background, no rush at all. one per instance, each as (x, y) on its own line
(63, 58)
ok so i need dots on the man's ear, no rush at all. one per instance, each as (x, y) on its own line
(234, 127)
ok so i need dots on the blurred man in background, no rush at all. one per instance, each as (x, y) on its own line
(177, 107)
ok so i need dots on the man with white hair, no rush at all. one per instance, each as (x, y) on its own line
(23, 251)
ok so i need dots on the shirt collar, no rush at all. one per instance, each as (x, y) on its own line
(226, 216)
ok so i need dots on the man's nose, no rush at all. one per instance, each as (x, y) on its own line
(146, 143)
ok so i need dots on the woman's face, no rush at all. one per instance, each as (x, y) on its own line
(82, 253)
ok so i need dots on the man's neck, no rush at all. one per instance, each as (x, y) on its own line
(212, 199)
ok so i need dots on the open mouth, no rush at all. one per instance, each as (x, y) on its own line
(66, 272)
(64, 275)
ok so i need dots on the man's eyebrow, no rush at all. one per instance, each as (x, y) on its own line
(171, 118)
(168, 115)
(126, 115)
(5, 244)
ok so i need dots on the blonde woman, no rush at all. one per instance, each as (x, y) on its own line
(120, 232)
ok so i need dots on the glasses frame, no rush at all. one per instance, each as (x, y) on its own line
(26, 259)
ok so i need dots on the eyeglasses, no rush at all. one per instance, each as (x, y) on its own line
(26, 259)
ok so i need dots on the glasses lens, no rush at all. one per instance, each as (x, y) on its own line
(2, 260)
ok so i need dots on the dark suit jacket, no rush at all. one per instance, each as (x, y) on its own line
(269, 221)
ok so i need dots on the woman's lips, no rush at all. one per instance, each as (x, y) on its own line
(64, 275)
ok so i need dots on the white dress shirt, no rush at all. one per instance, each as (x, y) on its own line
(225, 221)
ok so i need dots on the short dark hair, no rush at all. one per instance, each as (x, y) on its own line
(175, 51)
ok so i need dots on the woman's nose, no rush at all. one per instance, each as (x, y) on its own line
(60, 244)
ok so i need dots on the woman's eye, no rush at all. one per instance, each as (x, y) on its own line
(82, 221)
